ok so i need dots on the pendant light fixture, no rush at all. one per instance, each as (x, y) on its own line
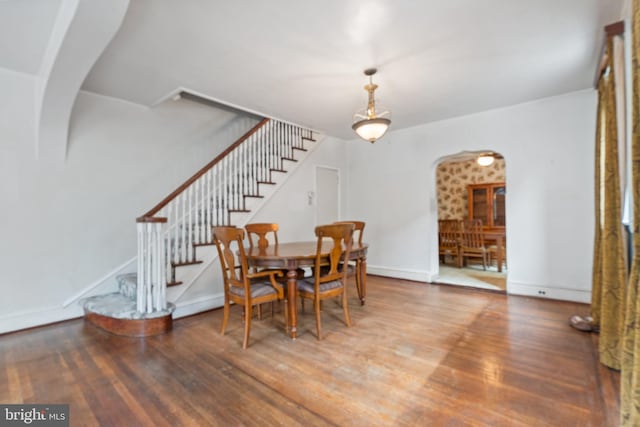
(370, 124)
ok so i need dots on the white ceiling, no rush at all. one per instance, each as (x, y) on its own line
(25, 27)
(302, 61)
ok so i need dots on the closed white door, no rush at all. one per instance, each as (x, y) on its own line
(327, 195)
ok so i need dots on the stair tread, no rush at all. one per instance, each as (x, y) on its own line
(181, 264)
(118, 306)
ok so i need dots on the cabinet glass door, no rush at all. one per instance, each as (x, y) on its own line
(480, 200)
(499, 196)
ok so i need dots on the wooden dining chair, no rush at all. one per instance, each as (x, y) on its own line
(240, 286)
(355, 268)
(330, 282)
(449, 240)
(261, 234)
(472, 245)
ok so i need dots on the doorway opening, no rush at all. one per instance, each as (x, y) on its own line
(327, 195)
(471, 196)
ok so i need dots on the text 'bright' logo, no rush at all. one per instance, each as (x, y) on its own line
(38, 415)
(26, 416)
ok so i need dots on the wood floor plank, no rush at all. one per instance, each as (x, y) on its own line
(417, 354)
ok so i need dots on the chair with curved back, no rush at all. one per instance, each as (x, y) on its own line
(329, 282)
(240, 286)
(262, 234)
(357, 268)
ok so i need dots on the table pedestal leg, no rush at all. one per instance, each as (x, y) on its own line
(292, 295)
(363, 279)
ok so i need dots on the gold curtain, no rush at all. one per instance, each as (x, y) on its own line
(630, 375)
(609, 272)
(596, 287)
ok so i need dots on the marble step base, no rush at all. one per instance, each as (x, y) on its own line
(116, 313)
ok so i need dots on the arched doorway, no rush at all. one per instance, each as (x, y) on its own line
(471, 185)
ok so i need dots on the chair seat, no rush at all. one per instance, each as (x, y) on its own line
(308, 284)
(258, 289)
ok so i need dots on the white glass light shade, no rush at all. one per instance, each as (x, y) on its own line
(485, 160)
(371, 129)
(368, 123)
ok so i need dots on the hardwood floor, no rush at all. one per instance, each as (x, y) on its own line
(417, 355)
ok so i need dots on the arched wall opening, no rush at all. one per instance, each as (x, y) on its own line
(471, 189)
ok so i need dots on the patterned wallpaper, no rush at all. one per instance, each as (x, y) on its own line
(452, 180)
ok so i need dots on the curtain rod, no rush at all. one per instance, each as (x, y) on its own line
(615, 29)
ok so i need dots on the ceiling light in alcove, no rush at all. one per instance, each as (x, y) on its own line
(485, 159)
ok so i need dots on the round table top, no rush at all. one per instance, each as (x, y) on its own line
(294, 254)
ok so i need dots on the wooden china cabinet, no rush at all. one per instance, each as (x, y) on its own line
(487, 202)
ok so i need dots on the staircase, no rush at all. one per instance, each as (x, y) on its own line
(176, 234)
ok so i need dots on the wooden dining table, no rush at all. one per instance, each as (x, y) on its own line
(294, 255)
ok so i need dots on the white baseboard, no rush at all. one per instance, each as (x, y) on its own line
(187, 308)
(513, 288)
(16, 322)
(397, 273)
(551, 292)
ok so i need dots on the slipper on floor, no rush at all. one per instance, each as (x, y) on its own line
(584, 324)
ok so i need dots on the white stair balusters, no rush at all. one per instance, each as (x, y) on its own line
(152, 279)
(167, 234)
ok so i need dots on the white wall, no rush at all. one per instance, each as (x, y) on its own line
(548, 147)
(65, 226)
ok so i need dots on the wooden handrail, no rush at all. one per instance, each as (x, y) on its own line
(147, 217)
(617, 28)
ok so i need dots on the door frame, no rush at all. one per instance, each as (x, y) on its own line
(315, 187)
